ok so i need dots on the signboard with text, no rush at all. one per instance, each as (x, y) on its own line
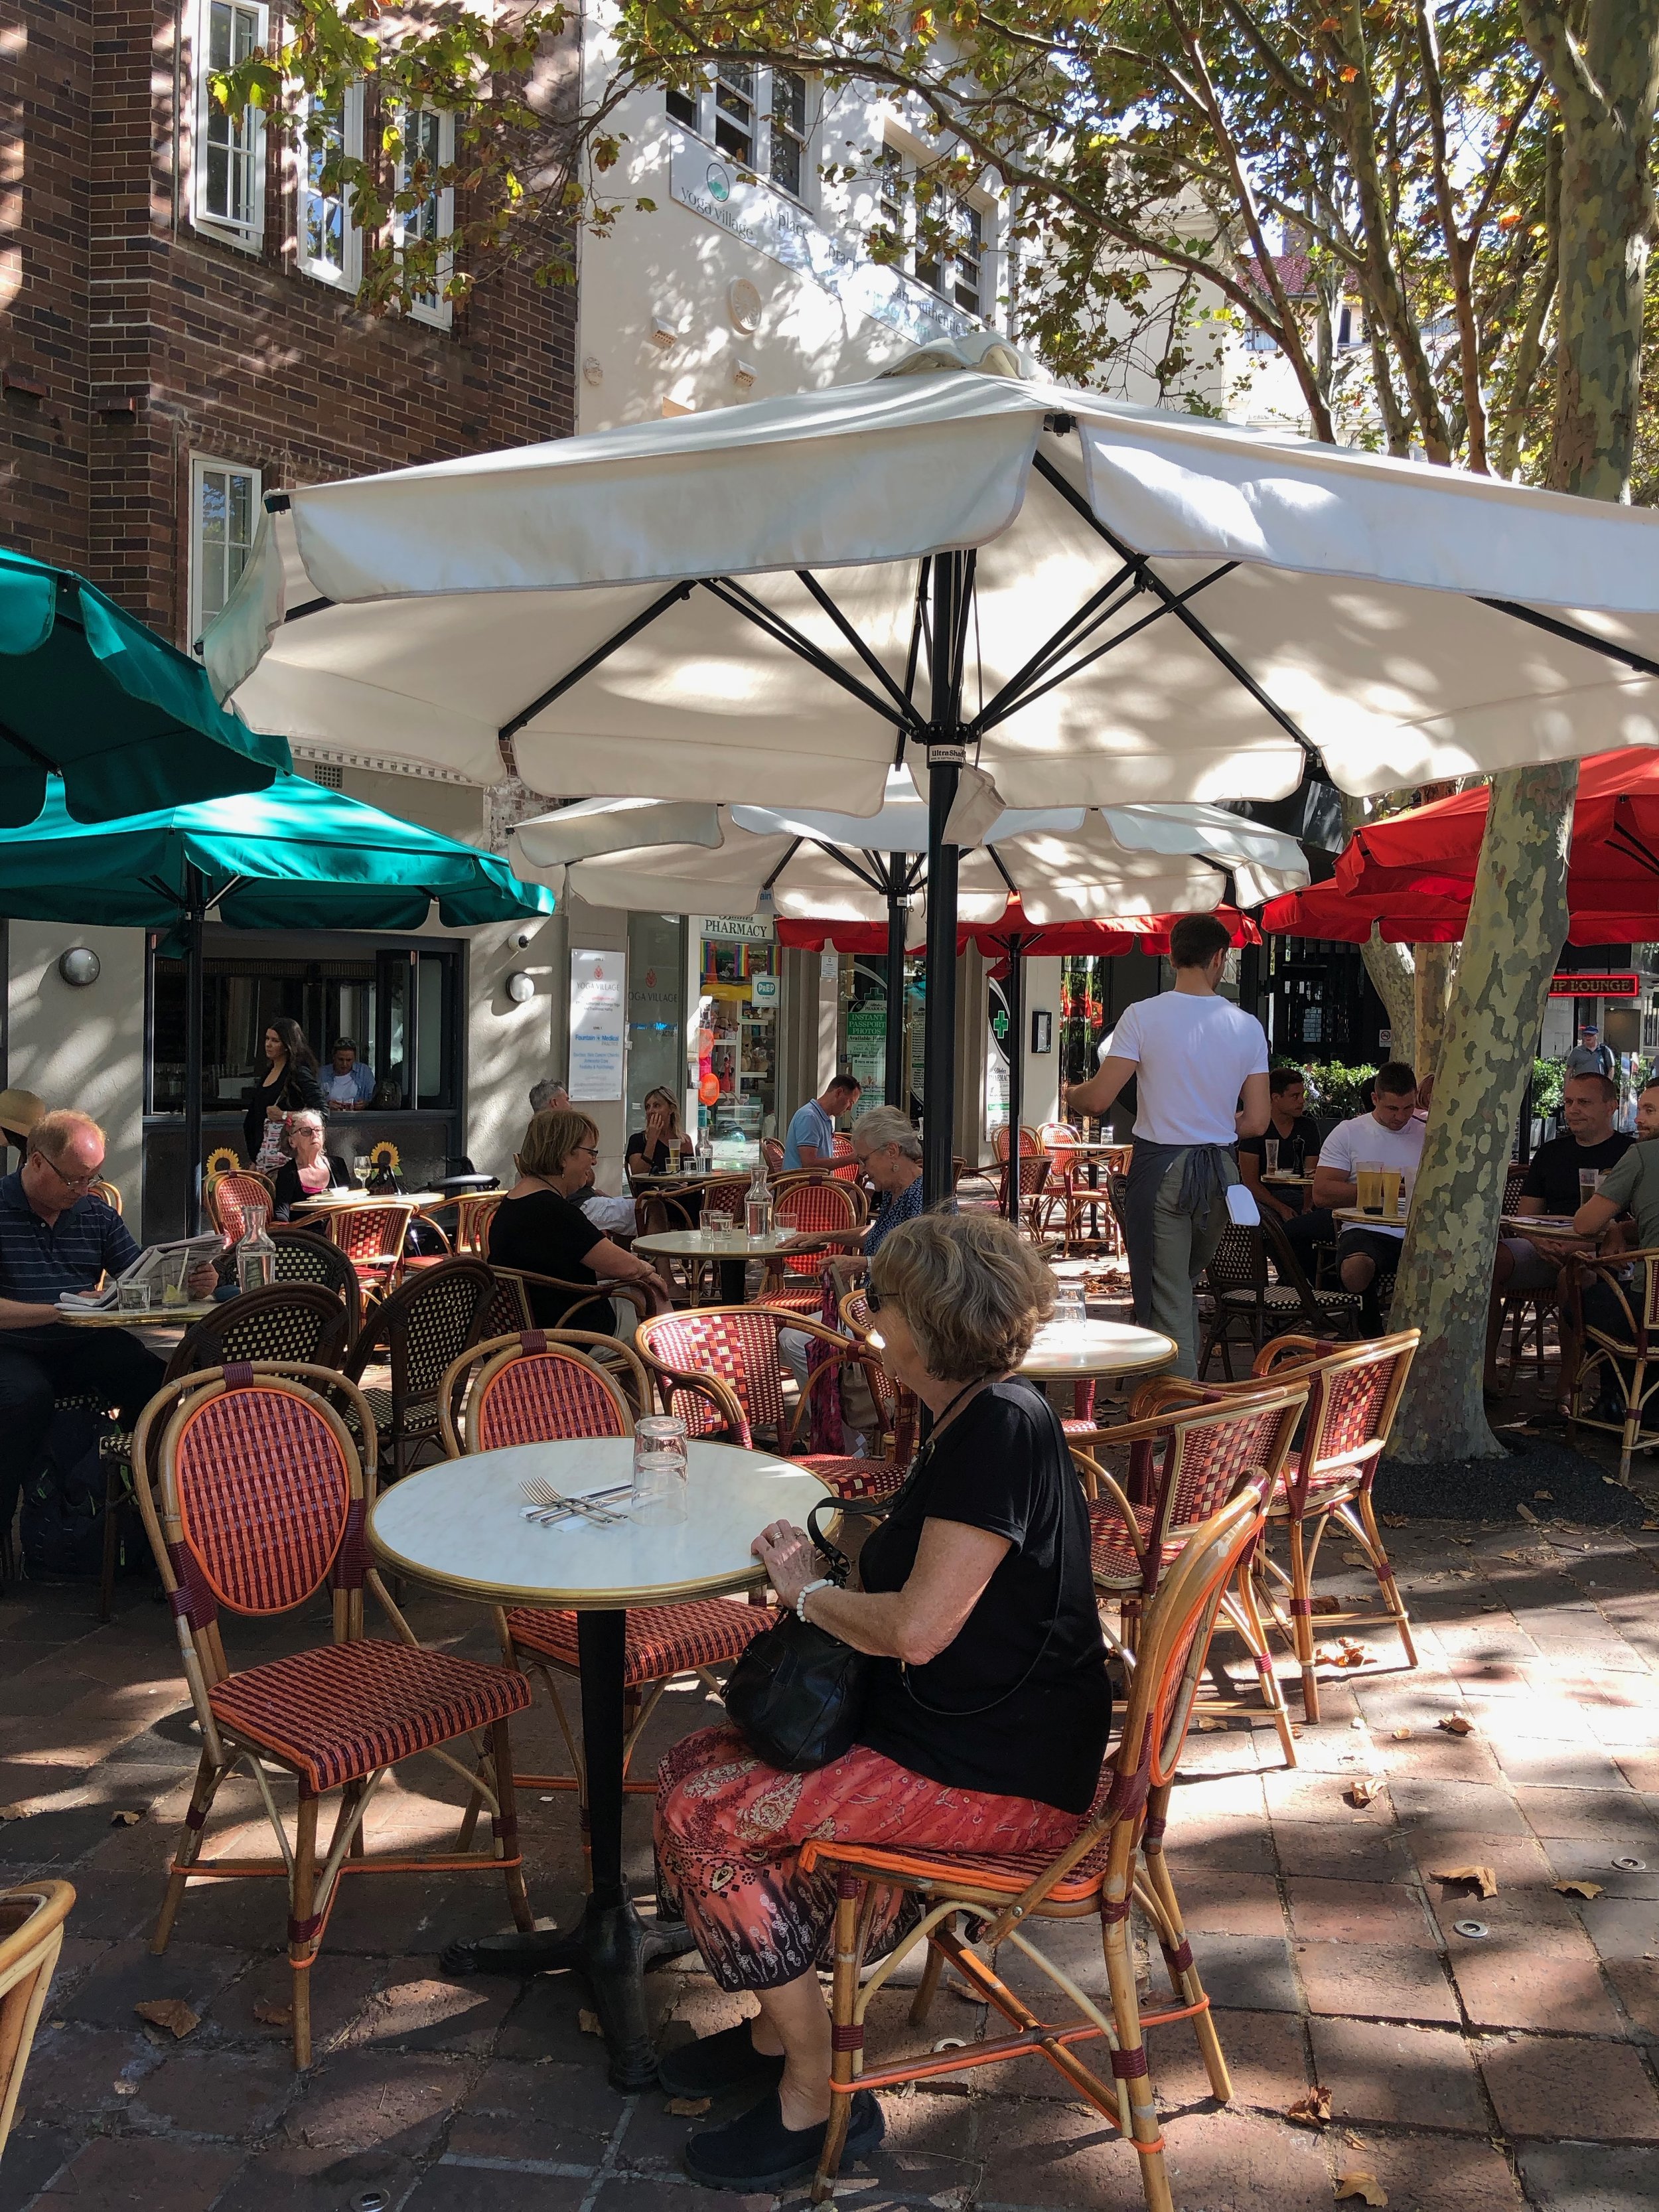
(596, 1026)
(1593, 983)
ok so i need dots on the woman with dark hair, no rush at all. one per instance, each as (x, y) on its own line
(289, 1082)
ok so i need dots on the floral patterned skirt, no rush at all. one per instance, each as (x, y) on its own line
(729, 1831)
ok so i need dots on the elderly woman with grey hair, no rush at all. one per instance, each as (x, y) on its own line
(988, 1710)
(311, 1169)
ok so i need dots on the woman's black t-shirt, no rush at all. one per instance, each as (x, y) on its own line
(640, 1159)
(1001, 1465)
(545, 1234)
(295, 1087)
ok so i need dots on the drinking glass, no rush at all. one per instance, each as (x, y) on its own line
(1391, 1184)
(361, 1166)
(660, 1484)
(1272, 1155)
(174, 1289)
(132, 1298)
(1368, 1175)
(717, 1221)
(1070, 1304)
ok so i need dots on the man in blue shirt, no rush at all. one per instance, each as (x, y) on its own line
(350, 1082)
(57, 1235)
(811, 1142)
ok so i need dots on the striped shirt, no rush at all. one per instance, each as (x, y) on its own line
(39, 1259)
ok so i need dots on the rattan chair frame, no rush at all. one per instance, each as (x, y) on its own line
(203, 1344)
(214, 1199)
(523, 1281)
(1323, 1482)
(385, 1332)
(971, 1907)
(31, 1919)
(1603, 1358)
(1167, 1415)
(306, 1256)
(473, 1213)
(720, 1396)
(390, 1224)
(312, 1879)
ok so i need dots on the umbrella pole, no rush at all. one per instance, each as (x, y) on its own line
(1015, 994)
(946, 752)
(894, 1084)
(194, 1014)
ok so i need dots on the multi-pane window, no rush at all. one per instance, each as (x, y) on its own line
(968, 240)
(946, 236)
(429, 141)
(788, 130)
(756, 118)
(328, 242)
(230, 148)
(734, 111)
(224, 519)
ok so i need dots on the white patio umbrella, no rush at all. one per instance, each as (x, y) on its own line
(1047, 596)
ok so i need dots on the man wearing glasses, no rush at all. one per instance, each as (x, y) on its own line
(56, 1234)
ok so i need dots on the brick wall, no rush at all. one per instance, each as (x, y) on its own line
(130, 339)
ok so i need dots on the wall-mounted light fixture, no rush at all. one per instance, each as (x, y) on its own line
(79, 966)
(521, 987)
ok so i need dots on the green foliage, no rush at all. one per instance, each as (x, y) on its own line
(1334, 1088)
(1548, 1078)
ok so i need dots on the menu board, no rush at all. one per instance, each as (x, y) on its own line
(596, 1026)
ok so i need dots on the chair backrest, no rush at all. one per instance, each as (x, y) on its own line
(370, 1232)
(772, 1153)
(1353, 1393)
(253, 1490)
(303, 1322)
(230, 1195)
(1034, 1170)
(306, 1256)
(30, 1937)
(473, 1218)
(820, 1204)
(730, 1192)
(899, 1408)
(109, 1192)
(735, 1345)
(1239, 1262)
(532, 1389)
(1513, 1180)
(1028, 1142)
(662, 1212)
(1287, 1266)
(424, 1325)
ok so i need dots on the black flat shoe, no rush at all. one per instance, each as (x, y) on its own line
(758, 2153)
(716, 2064)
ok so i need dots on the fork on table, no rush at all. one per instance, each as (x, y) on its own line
(547, 1504)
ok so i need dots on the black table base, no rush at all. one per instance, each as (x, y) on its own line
(734, 1281)
(612, 1945)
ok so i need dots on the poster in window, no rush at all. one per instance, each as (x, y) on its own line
(596, 1026)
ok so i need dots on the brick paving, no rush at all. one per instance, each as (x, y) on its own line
(1468, 2074)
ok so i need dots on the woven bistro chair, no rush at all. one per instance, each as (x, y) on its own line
(590, 1303)
(372, 1237)
(969, 1905)
(254, 1494)
(228, 1197)
(1246, 1296)
(1186, 1460)
(845, 1165)
(109, 1192)
(1616, 1361)
(414, 1336)
(791, 1282)
(30, 1937)
(536, 1387)
(900, 1410)
(1353, 1393)
(772, 1153)
(305, 1256)
(284, 1321)
(720, 1369)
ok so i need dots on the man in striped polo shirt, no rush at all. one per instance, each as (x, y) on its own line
(57, 1235)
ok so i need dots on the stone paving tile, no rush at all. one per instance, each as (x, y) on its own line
(1421, 2077)
(134, 2175)
(1376, 1981)
(1231, 2161)
(1357, 1912)
(1431, 2173)
(280, 2178)
(1560, 2084)
(1585, 2177)
(1505, 1984)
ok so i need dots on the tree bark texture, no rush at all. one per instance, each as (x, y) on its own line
(1390, 969)
(1437, 971)
(1517, 924)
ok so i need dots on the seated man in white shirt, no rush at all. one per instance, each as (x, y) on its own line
(1392, 1135)
(616, 1216)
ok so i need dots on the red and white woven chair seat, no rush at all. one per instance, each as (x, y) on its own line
(852, 1480)
(809, 1302)
(1324, 1491)
(663, 1640)
(337, 1713)
(1114, 1558)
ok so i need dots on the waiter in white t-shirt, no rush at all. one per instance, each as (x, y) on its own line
(1392, 1134)
(1194, 1055)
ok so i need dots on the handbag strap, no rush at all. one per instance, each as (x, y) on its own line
(973, 1712)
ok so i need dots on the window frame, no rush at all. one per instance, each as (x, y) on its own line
(436, 311)
(200, 464)
(896, 177)
(248, 237)
(350, 275)
(703, 112)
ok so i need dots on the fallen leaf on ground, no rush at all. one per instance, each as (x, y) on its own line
(589, 2023)
(14, 1812)
(1209, 1728)
(1362, 1788)
(1527, 1514)
(1366, 2186)
(1456, 1723)
(1313, 2110)
(273, 2015)
(688, 2108)
(170, 2013)
(1396, 1520)
(1482, 1876)
(1548, 1496)
(1650, 1524)
(124, 1820)
(1400, 1734)
(1327, 1604)
(126, 2088)
(1579, 1888)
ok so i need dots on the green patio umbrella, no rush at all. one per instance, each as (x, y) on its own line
(127, 720)
(296, 856)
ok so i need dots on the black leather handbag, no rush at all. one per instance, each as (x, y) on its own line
(797, 1693)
